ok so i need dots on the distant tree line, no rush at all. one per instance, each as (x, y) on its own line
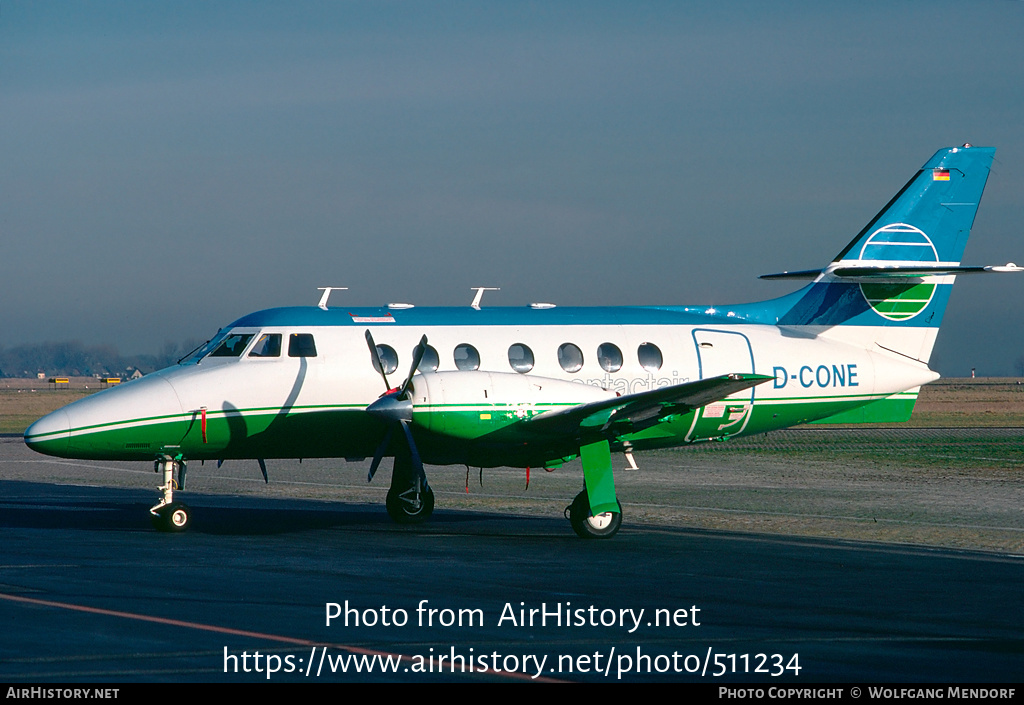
(78, 360)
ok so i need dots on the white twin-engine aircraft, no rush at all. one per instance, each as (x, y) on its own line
(540, 385)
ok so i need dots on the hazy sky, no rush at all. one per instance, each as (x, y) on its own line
(169, 167)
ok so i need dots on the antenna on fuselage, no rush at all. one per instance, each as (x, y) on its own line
(327, 294)
(480, 294)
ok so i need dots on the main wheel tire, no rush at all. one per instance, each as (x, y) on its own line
(401, 510)
(589, 526)
(173, 518)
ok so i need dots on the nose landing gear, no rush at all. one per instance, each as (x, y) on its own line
(169, 515)
(410, 499)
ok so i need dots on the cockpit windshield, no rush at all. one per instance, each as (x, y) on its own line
(229, 343)
(203, 350)
(232, 346)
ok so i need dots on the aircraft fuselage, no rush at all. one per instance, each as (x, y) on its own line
(286, 405)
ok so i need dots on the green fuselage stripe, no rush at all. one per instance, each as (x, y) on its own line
(347, 431)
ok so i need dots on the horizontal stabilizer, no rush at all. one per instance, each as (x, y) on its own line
(893, 272)
(643, 408)
(801, 275)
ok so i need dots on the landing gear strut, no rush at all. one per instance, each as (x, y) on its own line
(410, 499)
(169, 515)
(587, 525)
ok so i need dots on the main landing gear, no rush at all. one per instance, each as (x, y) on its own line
(169, 515)
(587, 525)
(410, 499)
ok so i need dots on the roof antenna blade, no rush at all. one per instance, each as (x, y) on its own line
(480, 294)
(327, 294)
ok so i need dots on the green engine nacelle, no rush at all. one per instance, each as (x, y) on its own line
(469, 405)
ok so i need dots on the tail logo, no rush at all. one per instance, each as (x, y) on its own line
(898, 242)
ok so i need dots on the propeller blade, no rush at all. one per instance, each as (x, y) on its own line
(417, 464)
(414, 453)
(417, 358)
(393, 407)
(263, 469)
(379, 455)
(377, 362)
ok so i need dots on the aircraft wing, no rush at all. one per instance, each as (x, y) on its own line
(634, 412)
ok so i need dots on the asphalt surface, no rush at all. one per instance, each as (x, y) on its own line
(89, 592)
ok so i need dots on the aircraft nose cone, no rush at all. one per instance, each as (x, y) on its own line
(133, 421)
(49, 435)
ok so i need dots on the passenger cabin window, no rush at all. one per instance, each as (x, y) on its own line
(269, 345)
(430, 361)
(466, 357)
(388, 358)
(570, 357)
(650, 357)
(301, 345)
(232, 346)
(520, 357)
(609, 357)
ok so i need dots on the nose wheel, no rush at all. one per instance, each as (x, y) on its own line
(168, 515)
(172, 518)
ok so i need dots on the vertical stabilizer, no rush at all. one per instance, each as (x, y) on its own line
(891, 284)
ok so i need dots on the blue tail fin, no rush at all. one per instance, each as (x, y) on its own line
(895, 277)
(929, 220)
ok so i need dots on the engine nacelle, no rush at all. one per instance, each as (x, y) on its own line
(469, 405)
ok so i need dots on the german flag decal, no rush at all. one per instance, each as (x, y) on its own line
(940, 174)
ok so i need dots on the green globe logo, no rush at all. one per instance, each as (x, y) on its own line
(898, 242)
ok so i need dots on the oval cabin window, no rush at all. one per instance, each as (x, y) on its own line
(466, 357)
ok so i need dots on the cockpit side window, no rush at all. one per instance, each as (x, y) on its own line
(301, 345)
(269, 345)
(232, 346)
